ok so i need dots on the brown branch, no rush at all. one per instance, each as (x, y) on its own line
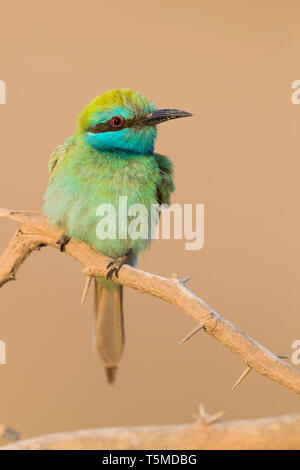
(281, 432)
(36, 232)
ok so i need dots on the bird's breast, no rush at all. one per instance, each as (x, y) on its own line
(80, 191)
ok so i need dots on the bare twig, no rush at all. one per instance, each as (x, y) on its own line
(36, 232)
(280, 432)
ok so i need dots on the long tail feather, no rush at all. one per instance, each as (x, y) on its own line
(109, 326)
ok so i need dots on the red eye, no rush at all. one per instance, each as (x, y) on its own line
(116, 121)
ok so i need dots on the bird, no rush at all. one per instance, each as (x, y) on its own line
(110, 154)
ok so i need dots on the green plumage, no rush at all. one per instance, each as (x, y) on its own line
(82, 178)
(93, 168)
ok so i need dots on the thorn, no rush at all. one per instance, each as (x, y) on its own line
(186, 279)
(12, 277)
(214, 418)
(192, 333)
(244, 374)
(86, 288)
(207, 419)
(283, 357)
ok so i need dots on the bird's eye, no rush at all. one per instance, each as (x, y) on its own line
(116, 121)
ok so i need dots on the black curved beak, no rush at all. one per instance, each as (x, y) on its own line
(162, 115)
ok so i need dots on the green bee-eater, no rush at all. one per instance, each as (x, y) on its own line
(111, 154)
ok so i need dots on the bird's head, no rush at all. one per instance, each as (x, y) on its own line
(123, 119)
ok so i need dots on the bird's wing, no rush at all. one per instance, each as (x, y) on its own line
(57, 156)
(166, 185)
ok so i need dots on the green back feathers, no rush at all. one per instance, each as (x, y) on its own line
(166, 185)
(57, 156)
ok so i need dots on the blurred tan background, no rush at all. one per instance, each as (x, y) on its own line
(231, 64)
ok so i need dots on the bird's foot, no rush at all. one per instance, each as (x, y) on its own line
(116, 265)
(62, 242)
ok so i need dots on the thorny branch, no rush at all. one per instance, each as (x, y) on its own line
(207, 433)
(35, 232)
